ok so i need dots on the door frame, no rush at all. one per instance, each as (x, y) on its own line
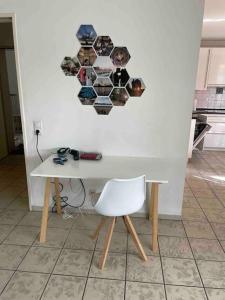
(21, 99)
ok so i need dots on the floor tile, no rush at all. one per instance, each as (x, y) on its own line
(215, 294)
(73, 262)
(32, 218)
(11, 217)
(4, 231)
(25, 286)
(219, 230)
(199, 230)
(193, 214)
(171, 228)
(207, 249)
(190, 202)
(206, 193)
(185, 293)
(20, 203)
(215, 215)
(55, 238)
(11, 256)
(89, 222)
(142, 225)
(22, 235)
(209, 203)
(174, 247)
(40, 259)
(223, 244)
(141, 291)
(101, 289)
(5, 275)
(59, 222)
(212, 273)
(181, 272)
(114, 267)
(146, 241)
(118, 242)
(80, 239)
(64, 287)
(139, 270)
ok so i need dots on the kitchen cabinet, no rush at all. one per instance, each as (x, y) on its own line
(216, 69)
(203, 63)
(215, 137)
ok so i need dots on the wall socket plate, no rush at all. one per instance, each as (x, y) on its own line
(37, 125)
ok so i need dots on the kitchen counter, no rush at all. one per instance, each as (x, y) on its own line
(209, 111)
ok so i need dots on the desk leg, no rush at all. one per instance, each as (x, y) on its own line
(154, 215)
(57, 196)
(44, 222)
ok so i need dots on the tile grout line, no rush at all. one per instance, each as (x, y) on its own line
(163, 276)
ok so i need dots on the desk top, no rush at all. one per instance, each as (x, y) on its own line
(108, 167)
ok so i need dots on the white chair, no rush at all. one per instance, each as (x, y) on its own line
(120, 198)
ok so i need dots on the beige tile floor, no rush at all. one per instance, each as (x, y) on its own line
(190, 264)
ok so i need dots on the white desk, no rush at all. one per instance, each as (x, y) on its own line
(108, 167)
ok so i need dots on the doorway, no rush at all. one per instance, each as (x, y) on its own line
(13, 186)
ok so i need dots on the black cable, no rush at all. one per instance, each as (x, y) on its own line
(37, 132)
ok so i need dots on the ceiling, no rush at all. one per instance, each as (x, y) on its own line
(214, 20)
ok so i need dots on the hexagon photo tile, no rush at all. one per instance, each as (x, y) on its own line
(119, 77)
(70, 66)
(103, 86)
(103, 66)
(135, 87)
(103, 45)
(87, 96)
(87, 76)
(100, 68)
(119, 96)
(86, 34)
(120, 56)
(86, 56)
(103, 105)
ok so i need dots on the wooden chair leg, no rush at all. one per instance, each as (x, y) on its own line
(44, 222)
(155, 190)
(100, 225)
(57, 196)
(125, 223)
(107, 244)
(135, 237)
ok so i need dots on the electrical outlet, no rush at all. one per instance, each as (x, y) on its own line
(37, 126)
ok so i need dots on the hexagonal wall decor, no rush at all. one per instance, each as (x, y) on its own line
(86, 35)
(103, 105)
(135, 87)
(87, 76)
(70, 66)
(120, 56)
(103, 45)
(119, 77)
(103, 66)
(86, 56)
(87, 95)
(103, 86)
(100, 68)
(119, 96)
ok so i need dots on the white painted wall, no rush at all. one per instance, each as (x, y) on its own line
(163, 39)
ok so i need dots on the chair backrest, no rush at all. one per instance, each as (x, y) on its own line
(124, 196)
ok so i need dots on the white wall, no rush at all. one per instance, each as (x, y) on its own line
(163, 39)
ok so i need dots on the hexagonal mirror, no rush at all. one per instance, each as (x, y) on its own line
(86, 56)
(86, 34)
(119, 77)
(120, 56)
(103, 66)
(70, 66)
(103, 45)
(103, 86)
(103, 105)
(87, 76)
(119, 96)
(87, 96)
(135, 87)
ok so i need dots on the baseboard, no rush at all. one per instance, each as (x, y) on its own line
(137, 215)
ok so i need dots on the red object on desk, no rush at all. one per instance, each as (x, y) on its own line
(90, 156)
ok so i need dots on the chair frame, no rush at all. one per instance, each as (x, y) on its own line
(130, 228)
